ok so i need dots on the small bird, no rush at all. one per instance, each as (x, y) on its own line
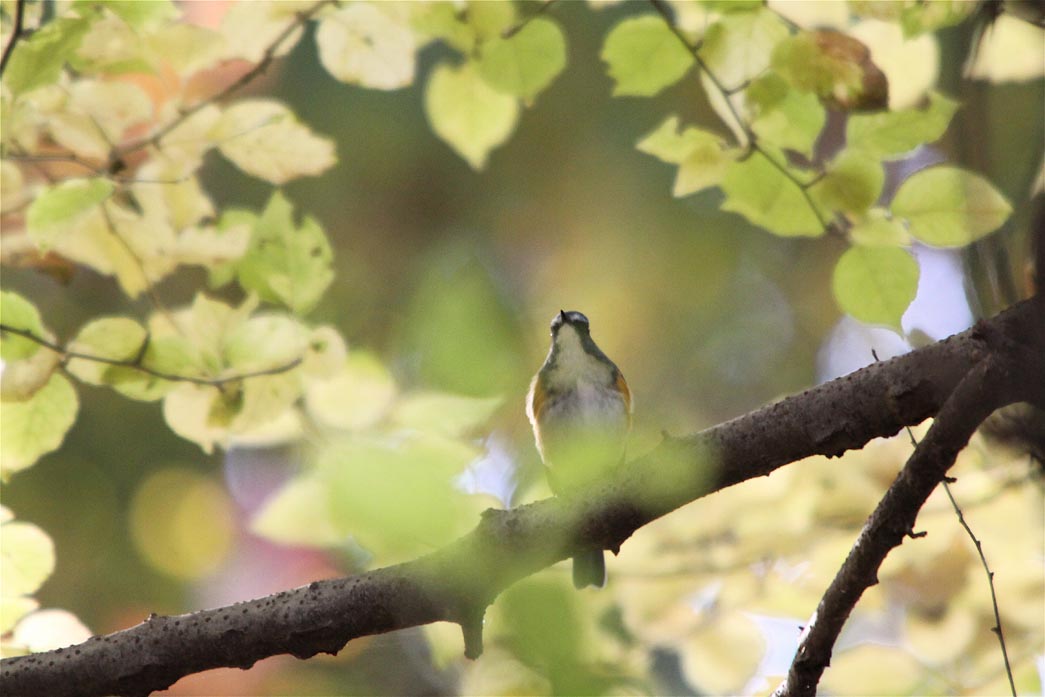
(580, 408)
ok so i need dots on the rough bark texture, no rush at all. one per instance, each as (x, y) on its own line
(457, 582)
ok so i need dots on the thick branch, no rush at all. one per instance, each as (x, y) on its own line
(457, 582)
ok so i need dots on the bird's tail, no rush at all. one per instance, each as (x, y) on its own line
(589, 569)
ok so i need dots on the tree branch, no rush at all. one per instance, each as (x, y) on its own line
(136, 362)
(16, 34)
(456, 583)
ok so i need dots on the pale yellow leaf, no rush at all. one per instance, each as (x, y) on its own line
(911, 66)
(264, 139)
(467, 114)
(362, 44)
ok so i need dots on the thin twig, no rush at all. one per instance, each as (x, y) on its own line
(16, 35)
(136, 363)
(266, 59)
(983, 560)
(753, 144)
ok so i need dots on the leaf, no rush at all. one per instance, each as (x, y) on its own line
(397, 496)
(287, 264)
(299, 513)
(111, 46)
(894, 133)
(644, 56)
(700, 154)
(1009, 51)
(489, 19)
(36, 426)
(187, 48)
(852, 184)
(877, 227)
(467, 114)
(875, 284)
(525, 63)
(27, 555)
(950, 207)
(18, 313)
(264, 139)
(57, 209)
(738, 46)
(760, 192)
(250, 28)
(38, 59)
(911, 66)
(446, 414)
(783, 116)
(361, 44)
(140, 15)
(834, 66)
(356, 397)
(21, 379)
(115, 338)
(265, 341)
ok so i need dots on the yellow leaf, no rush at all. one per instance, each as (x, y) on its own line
(362, 44)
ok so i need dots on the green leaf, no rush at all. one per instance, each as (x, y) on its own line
(950, 207)
(356, 397)
(397, 495)
(362, 44)
(489, 19)
(441, 20)
(852, 184)
(38, 59)
(137, 14)
(526, 62)
(918, 18)
(264, 138)
(26, 558)
(300, 514)
(446, 414)
(878, 228)
(738, 46)
(785, 117)
(56, 210)
(21, 379)
(700, 155)
(467, 114)
(875, 284)
(265, 341)
(644, 56)
(36, 426)
(18, 313)
(760, 192)
(287, 264)
(893, 133)
(114, 338)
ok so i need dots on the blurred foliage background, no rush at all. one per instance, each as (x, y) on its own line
(451, 276)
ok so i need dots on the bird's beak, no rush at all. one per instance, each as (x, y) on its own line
(562, 316)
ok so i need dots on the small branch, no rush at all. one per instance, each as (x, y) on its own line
(997, 629)
(727, 92)
(266, 59)
(16, 34)
(136, 363)
(1011, 371)
(990, 583)
(455, 582)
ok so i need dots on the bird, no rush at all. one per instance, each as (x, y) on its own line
(580, 408)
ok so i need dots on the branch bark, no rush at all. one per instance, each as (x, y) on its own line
(457, 582)
(988, 386)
